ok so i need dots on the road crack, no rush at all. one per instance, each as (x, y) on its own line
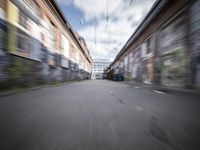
(119, 99)
(159, 131)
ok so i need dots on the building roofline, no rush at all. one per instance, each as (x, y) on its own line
(155, 9)
(56, 6)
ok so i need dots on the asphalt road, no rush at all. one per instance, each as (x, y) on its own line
(99, 115)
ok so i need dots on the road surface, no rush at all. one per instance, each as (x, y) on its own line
(99, 115)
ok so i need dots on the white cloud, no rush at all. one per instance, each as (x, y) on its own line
(123, 20)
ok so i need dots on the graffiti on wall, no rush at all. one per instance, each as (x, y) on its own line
(172, 49)
(135, 62)
(2, 37)
(194, 39)
(20, 28)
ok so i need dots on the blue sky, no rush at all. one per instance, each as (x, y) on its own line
(115, 21)
(72, 14)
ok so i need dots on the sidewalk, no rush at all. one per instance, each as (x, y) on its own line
(21, 90)
(165, 89)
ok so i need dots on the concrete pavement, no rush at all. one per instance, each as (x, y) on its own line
(99, 115)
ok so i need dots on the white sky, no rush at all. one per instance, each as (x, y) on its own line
(124, 18)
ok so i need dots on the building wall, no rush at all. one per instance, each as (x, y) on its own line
(162, 52)
(195, 44)
(145, 70)
(98, 67)
(36, 45)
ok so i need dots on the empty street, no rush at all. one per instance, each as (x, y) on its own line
(99, 115)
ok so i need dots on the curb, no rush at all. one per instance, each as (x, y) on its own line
(12, 92)
(179, 91)
(166, 89)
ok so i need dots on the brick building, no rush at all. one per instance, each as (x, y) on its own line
(164, 48)
(37, 44)
(98, 67)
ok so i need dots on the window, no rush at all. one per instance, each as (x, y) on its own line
(51, 36)
(65, 46)
(23, 19)
(23, 43)
(126, 60)
(148, 46)
(34, 7)
(2, 41)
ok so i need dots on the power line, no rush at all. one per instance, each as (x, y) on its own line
(131, 1)
(95, 28)
(107, 16)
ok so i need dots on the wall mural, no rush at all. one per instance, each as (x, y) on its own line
(195, 38)
(174, 60)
